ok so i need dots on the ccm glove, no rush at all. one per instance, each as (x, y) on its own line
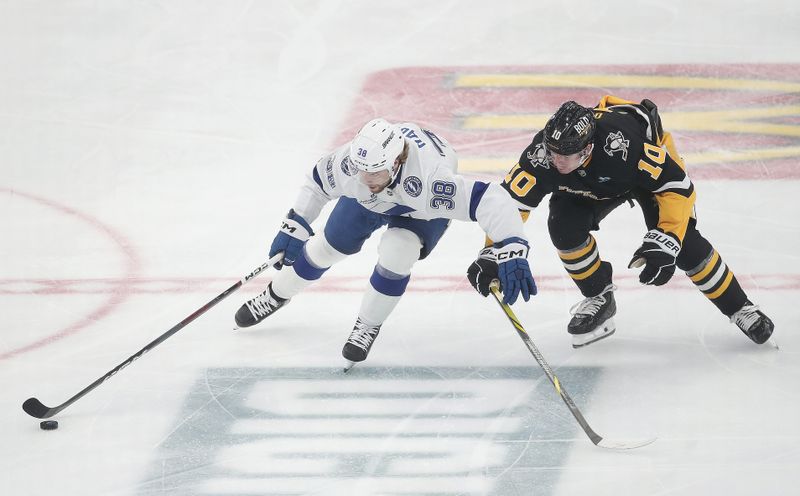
(657, 253)
(293, 234)
(507, 262)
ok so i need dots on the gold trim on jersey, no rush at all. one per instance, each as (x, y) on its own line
(676, 206)
(669, 144)
(674, 212)
(609, 100)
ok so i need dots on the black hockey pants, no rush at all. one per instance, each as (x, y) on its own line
(572, 218)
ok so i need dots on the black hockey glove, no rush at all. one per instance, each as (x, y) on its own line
(483, 271)
(657, 253)
(507, 262)
(290, 239)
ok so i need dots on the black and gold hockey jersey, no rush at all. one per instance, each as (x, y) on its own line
(631, 152)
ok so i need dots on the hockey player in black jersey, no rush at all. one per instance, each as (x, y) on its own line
(592, 161)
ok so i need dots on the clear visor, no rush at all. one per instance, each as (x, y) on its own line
(568, 163)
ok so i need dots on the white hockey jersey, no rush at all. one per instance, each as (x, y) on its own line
(427, 187)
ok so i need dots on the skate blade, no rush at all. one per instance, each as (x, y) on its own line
(580, 340)
(349, 365)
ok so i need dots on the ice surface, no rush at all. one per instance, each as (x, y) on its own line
(149, 150)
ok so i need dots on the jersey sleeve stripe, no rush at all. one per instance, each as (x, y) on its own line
(674, 211)
(478, 191)
(683, 184)
(317, 179)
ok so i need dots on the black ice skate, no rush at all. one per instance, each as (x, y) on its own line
(259, 308)
(753, 323)
(358, 344)
(592, 318)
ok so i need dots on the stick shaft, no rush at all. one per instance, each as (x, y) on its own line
(35, 408)
(593, 436)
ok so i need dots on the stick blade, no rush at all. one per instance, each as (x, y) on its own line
(625, 445)
(35, 408)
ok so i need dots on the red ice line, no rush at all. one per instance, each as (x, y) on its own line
(443, 283)
(119, 288)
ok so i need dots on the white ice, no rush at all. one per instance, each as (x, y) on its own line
(148, 152)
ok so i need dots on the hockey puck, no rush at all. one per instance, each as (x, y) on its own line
(49, 425)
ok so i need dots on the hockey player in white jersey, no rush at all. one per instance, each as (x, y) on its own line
(403, 177)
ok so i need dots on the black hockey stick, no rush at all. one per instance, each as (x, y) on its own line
(35, 408)
(593, 436)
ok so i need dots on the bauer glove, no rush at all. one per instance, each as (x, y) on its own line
(657, 253)
(290, 239)
(504, 261)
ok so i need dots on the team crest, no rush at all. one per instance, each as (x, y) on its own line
(347, 167)
(412, 185)
(616, 142)
(539, 157)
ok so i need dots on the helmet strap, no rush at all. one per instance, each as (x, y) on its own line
(586, 153)
(395, 175)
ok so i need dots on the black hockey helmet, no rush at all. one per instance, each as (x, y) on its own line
(570, 129)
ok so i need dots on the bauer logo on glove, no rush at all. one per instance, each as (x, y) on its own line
(665, 241)
(657, 254)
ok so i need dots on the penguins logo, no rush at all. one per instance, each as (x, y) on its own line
(539, 157)
(616, 142)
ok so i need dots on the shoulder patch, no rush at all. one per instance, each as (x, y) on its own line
(539, 157)
(347, 167)
(412, 185)
(616, 143)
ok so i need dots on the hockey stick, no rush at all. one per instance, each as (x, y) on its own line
(35, 408)
(597, 439)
